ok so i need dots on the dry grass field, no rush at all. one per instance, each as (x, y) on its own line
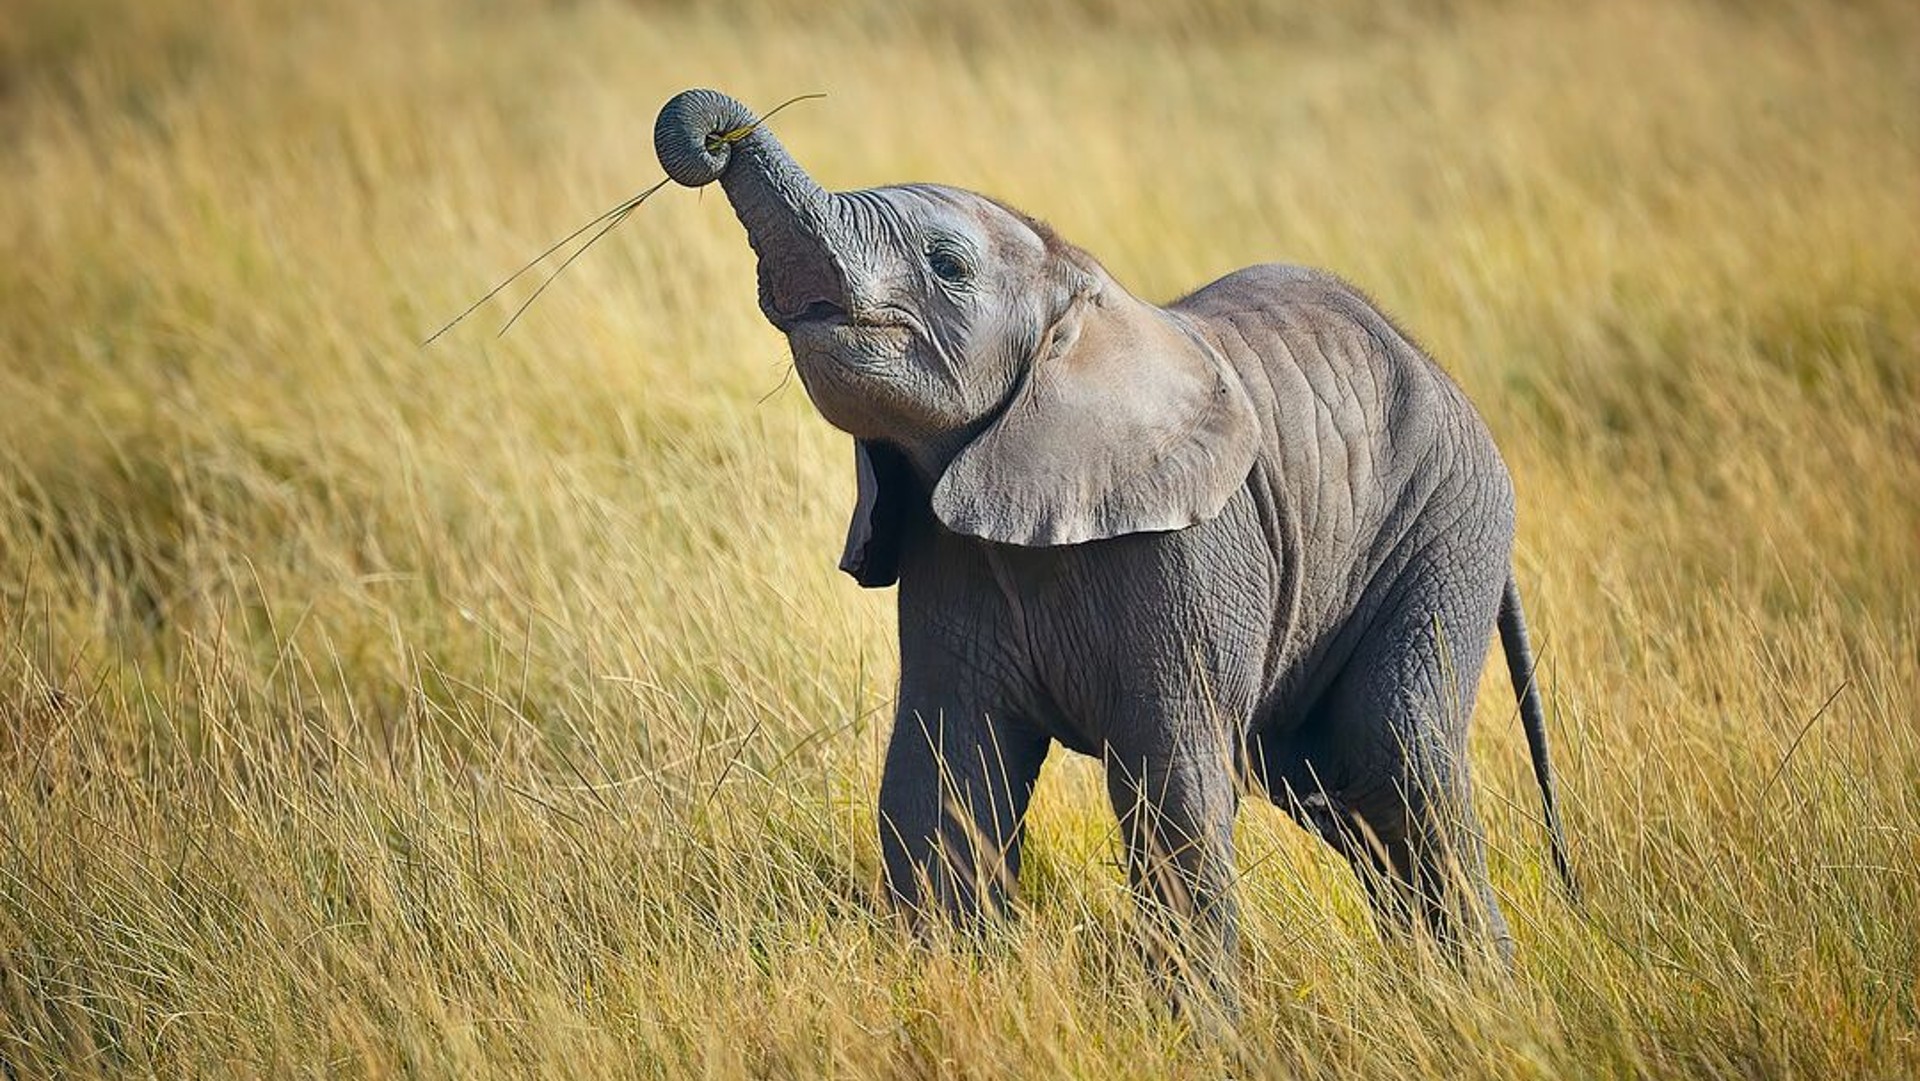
(495, 709)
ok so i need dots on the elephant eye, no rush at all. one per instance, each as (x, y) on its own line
(947, 264)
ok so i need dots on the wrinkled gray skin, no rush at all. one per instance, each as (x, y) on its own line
(1251, 540)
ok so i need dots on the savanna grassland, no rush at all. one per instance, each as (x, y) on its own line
(495, 708)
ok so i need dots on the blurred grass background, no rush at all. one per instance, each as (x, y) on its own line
(495, 709)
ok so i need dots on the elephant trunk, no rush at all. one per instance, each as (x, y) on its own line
(797, 229)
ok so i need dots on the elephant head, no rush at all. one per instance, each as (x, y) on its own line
(987, 369)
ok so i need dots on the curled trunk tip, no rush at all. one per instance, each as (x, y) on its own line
(685, 135)
(795, 226)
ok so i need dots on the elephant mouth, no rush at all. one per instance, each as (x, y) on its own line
(824, 317)
(816, 311)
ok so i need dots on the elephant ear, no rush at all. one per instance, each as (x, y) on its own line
(1126, 423)
(887, 501)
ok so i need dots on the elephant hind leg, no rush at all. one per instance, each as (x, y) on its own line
(1381, 772)
(1381, 837)
(1418, 850)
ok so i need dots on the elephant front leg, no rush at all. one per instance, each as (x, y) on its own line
(1176, 806)
(952, 799)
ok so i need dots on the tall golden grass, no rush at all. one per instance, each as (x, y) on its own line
(495, 709)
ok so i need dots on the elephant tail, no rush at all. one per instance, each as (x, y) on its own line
(1513, 639)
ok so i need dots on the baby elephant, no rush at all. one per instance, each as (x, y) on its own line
(1252, 539)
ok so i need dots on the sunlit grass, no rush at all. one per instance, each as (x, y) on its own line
(495, 708)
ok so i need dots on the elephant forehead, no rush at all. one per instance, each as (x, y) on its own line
(922, 206)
